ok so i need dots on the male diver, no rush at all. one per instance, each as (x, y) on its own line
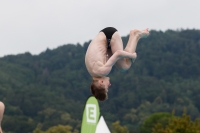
(106, 50)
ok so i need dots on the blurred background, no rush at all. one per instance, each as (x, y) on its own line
(34, 26)
(44, 82)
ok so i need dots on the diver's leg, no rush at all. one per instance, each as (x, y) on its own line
(134, 37)
(117, 44)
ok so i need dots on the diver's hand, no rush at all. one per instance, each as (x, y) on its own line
(134, 57)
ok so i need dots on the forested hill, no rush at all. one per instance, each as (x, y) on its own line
(51, 88)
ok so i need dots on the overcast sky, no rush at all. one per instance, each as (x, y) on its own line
(35, 25)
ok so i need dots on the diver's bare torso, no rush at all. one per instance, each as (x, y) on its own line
(99, 59)
(96, 55)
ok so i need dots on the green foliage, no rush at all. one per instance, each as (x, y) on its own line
(182, 124)
(161, 118)
(57, 129)
(117, 128)
(51, 88)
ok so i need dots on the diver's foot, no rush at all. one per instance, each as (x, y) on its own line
(140, 33)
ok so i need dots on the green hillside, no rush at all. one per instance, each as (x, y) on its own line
(51, 88)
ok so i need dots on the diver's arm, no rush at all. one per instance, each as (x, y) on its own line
(118, 55)
(103, 70)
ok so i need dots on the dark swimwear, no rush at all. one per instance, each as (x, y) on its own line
(109, 31)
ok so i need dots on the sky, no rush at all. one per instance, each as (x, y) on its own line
(35, 25)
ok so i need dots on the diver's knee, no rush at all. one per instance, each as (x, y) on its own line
(122, 70)
(125, 68)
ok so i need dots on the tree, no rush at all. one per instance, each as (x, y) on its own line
(117, 128)
(178, 125)
(161, 118)
(57, 129)
(51, 88)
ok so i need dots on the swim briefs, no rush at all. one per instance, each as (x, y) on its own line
(109, 31)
